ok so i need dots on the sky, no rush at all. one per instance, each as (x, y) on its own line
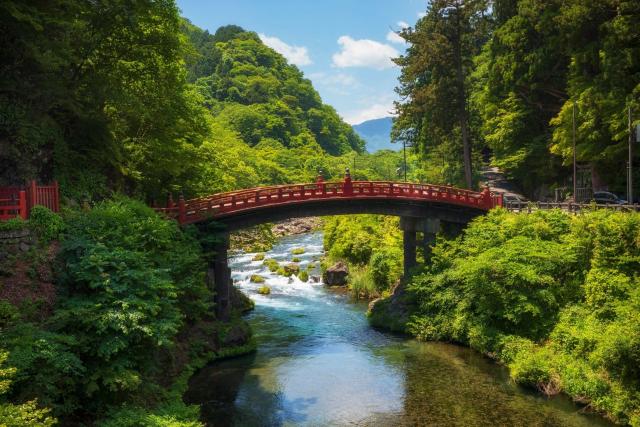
(343, 46)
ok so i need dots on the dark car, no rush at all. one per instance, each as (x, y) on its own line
(607, 198)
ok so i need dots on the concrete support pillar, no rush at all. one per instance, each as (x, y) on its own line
(408, 226)
(221, 273)
(430, 228)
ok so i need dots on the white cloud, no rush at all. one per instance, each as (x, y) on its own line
(296, 55)
(422, 14)
(375, 111)
(338, 83)
(335, 79)
(364, 53)
(393, 37)
(402, 24)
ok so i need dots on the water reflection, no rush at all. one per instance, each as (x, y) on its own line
(319, 363)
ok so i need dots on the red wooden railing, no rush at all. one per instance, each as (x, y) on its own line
(17, 201)
(226, 204)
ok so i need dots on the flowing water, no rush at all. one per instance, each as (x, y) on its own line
(319, 364)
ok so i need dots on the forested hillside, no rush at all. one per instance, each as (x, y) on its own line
(131, 97)
(505, 75)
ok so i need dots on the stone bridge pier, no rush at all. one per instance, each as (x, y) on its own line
(219, 277)
(421, 233)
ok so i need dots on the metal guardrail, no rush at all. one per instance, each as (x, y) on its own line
(567, 207)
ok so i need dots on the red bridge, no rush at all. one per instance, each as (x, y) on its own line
(312, 197)
(424, 209)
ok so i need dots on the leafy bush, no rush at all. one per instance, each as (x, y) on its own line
(132, 280)
(45, 223)
(26, 414)
(13, 224)
(555, 297)
(380, 265)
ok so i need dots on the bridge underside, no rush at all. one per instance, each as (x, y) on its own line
(395, 207)
(424, 217)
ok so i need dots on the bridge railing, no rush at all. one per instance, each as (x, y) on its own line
(188, 211)
(18, 201)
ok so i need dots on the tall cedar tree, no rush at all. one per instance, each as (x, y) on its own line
(434, 78)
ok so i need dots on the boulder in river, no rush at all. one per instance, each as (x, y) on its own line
(336, 275)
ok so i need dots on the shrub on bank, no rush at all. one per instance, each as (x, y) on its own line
(366, 242)
(130, 288)
(555, 297)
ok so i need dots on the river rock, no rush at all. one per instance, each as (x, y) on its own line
(315, 279)
(296, 226)
(336, 275)
(392, 313)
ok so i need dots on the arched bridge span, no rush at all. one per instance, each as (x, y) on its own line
(423, 208)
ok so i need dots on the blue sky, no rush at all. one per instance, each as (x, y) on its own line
(343, 46)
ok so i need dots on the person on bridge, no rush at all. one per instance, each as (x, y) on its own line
(347, 187)
(320, 182)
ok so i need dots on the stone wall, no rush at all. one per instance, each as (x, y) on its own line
(15, 241)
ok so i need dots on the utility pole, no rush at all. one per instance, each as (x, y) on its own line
(404, 149)
(575, 174)
(630, 168)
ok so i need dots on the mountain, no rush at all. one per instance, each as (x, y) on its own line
(256, 93)
(377, 134)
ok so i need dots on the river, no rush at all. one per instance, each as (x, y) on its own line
(320, 364)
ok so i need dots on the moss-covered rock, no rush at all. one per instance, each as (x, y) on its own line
(271, 264)
(297, 251)
(303, 276)
(258, 257)
(256, 278)
(264, 290)
(291, 269)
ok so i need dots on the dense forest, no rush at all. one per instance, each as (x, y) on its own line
(501, 78)
(143, 102)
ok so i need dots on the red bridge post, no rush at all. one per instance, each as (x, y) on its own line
(182, 210)
(23, 205)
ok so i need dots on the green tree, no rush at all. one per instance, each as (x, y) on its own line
(434, 79)
(519, 86)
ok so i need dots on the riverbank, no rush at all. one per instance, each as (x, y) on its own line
(104, 314)
(553, 297)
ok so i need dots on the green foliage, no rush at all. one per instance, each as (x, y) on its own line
(25, 414)
(434, 82)
(175, 414)
(303, 276)
(258, 257)
(555, 297)
(13, 224)
(380, 265)
(47, 225)
(131, 282)
(372, 244)
(361, 284)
